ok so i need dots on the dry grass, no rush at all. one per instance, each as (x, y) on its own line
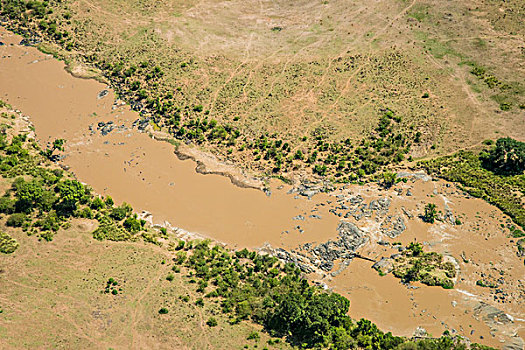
(57, 288)
(296, 68)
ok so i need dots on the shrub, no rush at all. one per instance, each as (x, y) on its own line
(430, 213)
(119, 213)
(28, 194)
(50, 222)
(253, 335)
(7, 244)
(97, 203)
(388, 179)
(109, 201)
(212, 322)
(71, 193)
(163, 311)
(132, 224)
(110, 231)
(16, 220)
(498, 189)
(7, 205)
(47, 235)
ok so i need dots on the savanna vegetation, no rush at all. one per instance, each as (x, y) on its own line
(246, 285)
(259, 288)
(495, 174)
(142, 84)
(42, 198)
(414, 264)
(7, 244)
(194, 100)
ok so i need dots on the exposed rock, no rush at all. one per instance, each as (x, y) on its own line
(420, 332)
(102, 94)
(380, 206)
(449, 217)
(385, 265)
(491, 315)
(393, 227)
(418, 176)
(350, 236)
(288, 257)
(407, 213)
(341, 268)
(311, 188)
(106, 128)
(356, 200)
(514, 343)
(29, 42)
(350, 239)
(362, 211)
(141, 124)
(521, 247)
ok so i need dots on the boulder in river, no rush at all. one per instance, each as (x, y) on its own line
(393, 226)
(102, 94)
(385, 265)
(420, 332)
(29, 42)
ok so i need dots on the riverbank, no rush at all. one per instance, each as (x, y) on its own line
(105, 150)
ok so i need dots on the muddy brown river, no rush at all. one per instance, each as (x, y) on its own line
(132, 166)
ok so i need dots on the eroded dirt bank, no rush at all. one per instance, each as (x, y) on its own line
(106, 149)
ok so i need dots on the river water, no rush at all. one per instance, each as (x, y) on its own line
(133, 167)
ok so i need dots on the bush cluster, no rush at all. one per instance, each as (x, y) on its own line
(42, 199)
(250, 286)
(416, 265)
(486, 175)
(7, 244)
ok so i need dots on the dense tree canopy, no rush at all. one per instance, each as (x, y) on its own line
(507, 158)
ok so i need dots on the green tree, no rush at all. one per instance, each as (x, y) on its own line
(7, 244)
(507, 158)
(16, 220)
(388, 179)
(58, 144)
(212, 322)
(28, 194)
(71, 193)
(430, 213)
(132, 224)
(119, 213)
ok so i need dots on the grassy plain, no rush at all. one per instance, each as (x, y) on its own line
(303, 71)
(53, 297)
